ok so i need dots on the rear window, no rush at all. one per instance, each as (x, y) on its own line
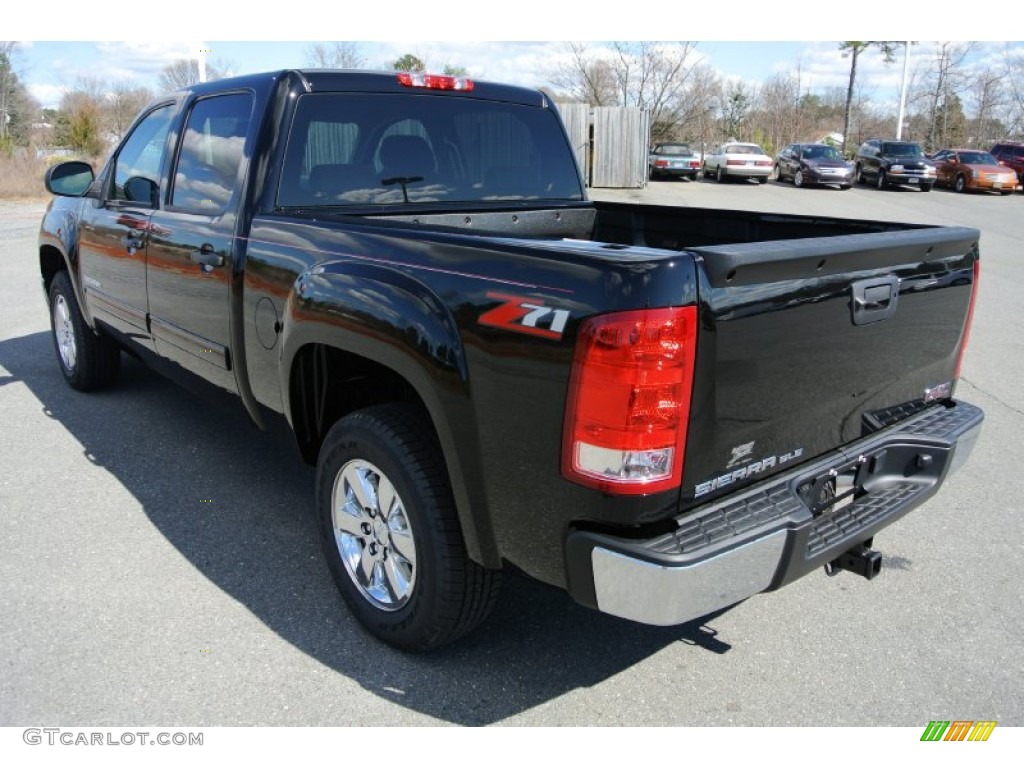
(388, 149)
(674, 149)
(744, 149)
(902, 150)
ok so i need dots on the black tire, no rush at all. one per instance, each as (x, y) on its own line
(88, 360)
(777, 173)
(845, 187)
(960, 185)
(798, 179)
(719, 175)
(859, 175)
(762, 179)
(880, 181)
(927, 187)
(441, 594)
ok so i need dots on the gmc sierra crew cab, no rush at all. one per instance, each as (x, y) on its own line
(662, 410)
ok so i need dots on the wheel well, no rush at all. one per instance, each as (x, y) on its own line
(50, 263)
(328, 383)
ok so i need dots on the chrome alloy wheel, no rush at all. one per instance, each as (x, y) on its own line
(64, 330)
(373, 535)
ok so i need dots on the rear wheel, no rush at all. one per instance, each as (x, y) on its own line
(88, 360)
(391, 534)
(719, 175)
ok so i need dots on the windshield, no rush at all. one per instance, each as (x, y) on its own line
(902, 150)
(674, 149)
(387, 149)
(821, 153)
(977, 158)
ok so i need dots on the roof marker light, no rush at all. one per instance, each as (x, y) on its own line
(435, 82)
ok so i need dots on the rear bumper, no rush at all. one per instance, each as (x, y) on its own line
(767, 535)
(747, 171)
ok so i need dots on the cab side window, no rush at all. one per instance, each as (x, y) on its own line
(212, 150)
(137, 168)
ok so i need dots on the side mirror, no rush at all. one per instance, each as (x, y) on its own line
(139, 189)
(70, 179)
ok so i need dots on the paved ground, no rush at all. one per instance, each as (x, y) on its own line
(150, 574)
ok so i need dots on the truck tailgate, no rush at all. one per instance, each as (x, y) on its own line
(806, 345)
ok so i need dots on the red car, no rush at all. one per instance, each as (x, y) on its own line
(973, 169)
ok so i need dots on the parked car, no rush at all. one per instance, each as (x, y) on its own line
(973, 169)
(813, 164)
(894, 163)
(1010, 154)
(738, 160)
(673, 159)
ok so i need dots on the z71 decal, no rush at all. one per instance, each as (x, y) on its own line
(523, 315)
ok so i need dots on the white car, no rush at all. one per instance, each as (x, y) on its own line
(739, 160)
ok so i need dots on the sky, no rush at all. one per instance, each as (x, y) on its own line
(55, 54)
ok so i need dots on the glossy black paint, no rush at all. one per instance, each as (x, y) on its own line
(403, 292)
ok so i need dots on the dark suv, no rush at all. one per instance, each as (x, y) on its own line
(893, 163)
(1011, 154)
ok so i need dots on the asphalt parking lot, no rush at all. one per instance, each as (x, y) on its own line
(159, 564)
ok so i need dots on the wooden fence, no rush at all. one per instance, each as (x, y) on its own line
(611, 143)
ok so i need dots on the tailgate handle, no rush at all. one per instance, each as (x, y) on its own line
(874, 299)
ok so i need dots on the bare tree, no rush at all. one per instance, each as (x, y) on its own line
(654, 76)
(585, 77)
(124, 102)
(343, 55)
(987, 96)
(853, 49)
(658, 77)
(182, 73)
(1014, 115)
(944, 83)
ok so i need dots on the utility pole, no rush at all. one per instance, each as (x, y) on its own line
(903, 89)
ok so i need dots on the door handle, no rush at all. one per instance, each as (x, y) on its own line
(207, 257)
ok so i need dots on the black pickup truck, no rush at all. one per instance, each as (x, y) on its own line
(662, 410)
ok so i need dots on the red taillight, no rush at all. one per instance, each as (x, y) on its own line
(435, 82)
(661, 163)
(629, 400)
(735, 162)
(970, 319)
(763, 163)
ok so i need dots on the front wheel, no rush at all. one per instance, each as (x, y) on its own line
(960, 185)
(880, 181)
(390, 532)
(798, 179)
(88, 360)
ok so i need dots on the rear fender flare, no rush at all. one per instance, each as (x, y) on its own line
(387, 316)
